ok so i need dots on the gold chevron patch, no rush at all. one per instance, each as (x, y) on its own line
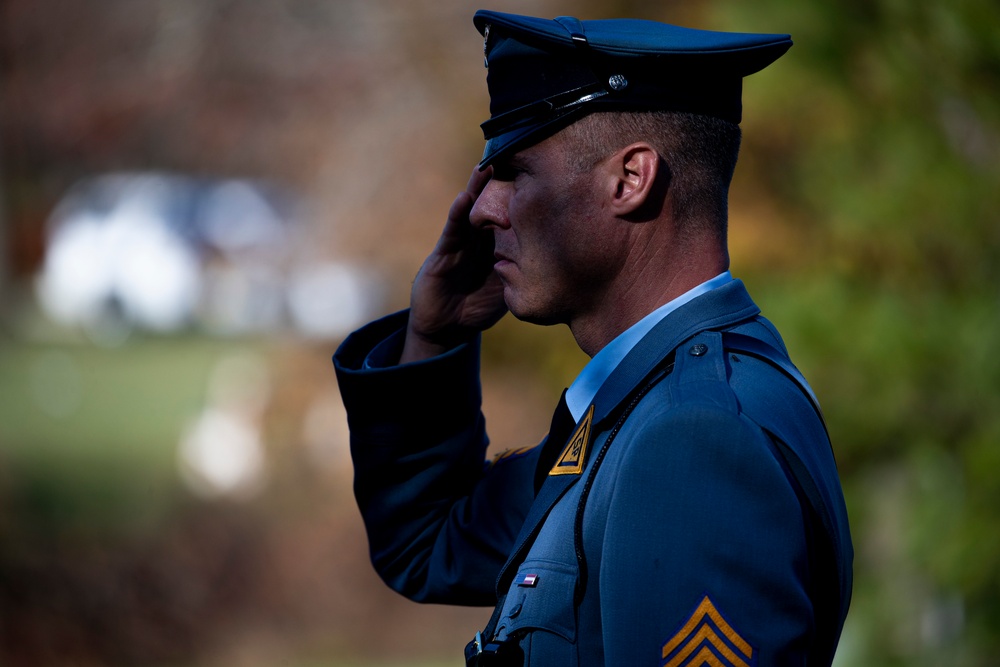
(571, 460)
(706, 639)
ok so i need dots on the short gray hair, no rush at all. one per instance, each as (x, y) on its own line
(700, 153)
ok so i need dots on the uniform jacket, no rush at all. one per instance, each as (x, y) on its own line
(693, 517)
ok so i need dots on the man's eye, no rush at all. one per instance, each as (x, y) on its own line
(506, 172)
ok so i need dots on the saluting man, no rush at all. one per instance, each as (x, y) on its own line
(685, 507)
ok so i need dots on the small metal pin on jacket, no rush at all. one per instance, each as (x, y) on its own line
(618, 82)
(529, 581)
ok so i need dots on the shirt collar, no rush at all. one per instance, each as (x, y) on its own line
(584, 388)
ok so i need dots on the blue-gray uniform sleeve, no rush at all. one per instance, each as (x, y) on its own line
(440, 521)
(704, 527)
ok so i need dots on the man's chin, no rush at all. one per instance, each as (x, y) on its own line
(532, 315)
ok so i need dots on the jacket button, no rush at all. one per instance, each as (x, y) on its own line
(698, 350)
(515, 610)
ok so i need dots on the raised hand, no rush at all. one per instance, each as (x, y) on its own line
(456, 294)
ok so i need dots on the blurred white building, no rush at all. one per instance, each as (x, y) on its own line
(165, 253)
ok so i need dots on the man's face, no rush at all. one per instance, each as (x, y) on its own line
(556, 247)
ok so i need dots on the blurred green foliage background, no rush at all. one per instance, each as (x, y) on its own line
(888, 153)
(865, 221)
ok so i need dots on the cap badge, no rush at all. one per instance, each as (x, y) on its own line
(486, 39)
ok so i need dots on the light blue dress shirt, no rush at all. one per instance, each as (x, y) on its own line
(584, 388)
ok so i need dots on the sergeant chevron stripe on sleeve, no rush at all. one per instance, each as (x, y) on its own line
(706, 639)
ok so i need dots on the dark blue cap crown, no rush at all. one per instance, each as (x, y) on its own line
(544, 74)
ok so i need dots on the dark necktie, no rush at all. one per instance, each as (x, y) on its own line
(559, 431)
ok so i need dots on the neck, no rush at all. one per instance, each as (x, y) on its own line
(655, 277)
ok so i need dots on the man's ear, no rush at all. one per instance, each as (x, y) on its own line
(634, 173)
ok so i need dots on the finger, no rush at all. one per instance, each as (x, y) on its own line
(458, 214)
(478, 180)
(457, 229)
(456, 232)
(457, 225)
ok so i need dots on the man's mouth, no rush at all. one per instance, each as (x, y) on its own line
(500, 259)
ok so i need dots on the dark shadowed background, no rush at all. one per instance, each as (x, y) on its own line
(200, 198)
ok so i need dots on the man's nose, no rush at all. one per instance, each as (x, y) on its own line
(490, 209)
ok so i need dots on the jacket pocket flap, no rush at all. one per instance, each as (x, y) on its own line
(541, 598)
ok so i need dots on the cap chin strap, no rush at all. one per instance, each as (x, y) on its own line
(531, 114)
